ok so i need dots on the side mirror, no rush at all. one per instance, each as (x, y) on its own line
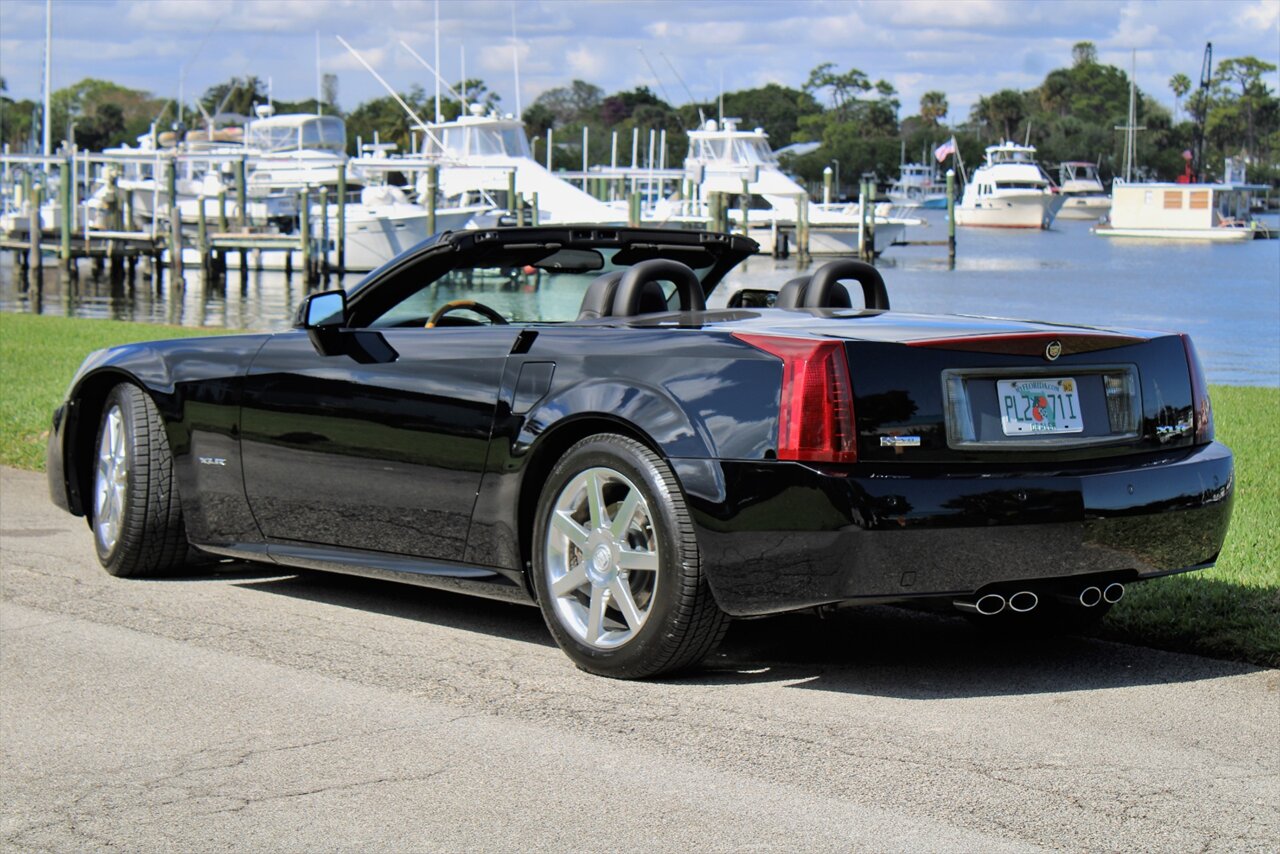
(325, 310)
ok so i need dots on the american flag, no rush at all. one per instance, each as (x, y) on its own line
(948, 147)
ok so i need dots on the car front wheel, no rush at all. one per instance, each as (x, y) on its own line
(136, 518)
(616, 564)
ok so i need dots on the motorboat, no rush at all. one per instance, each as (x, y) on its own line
(918, 186)
(482, 155)
(724, 159)
(1086, 197)
(1009, 190)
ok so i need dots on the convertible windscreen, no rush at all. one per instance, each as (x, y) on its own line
(531, 285)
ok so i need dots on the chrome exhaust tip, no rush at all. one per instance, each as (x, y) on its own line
(1090, 597)
(988, 605)
(1113, 592)
(1023, 601)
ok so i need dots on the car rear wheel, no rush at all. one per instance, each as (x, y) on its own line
(616, 564)
(136, 518)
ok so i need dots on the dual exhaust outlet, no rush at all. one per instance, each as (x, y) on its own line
(1022, 601)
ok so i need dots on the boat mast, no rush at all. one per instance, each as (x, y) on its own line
(48, 63)
(1131, 128)
(319, 89)
(515, 58)
(439, 113)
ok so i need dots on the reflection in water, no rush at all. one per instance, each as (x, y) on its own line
(1226, 296)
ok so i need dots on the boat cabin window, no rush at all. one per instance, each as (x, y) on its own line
(1006, 156)
(481, 141)
(749, 151)
(326, 133)
(323, 133)
(1020, 185)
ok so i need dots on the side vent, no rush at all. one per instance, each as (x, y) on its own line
(815, 418)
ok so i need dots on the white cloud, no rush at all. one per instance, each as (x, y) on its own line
(962, 48)
(585, 63)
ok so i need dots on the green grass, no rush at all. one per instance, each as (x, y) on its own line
(1231, 611)
(38, 356)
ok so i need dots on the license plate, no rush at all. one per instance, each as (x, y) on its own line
(1039, 406)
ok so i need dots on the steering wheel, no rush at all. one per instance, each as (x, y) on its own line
(470, 305)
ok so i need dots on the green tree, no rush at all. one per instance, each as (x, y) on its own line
(576, 102)
(84, 105)
(236, 96)
(933, 107)
(1001, 113)
(1084, 53)
(1245, 75)
(1181, 85)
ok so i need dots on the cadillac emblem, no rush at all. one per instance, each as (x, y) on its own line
(1053, 351)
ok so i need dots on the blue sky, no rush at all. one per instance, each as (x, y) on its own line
(964, 48)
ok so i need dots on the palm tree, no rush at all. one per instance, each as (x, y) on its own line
(933, 106)
(1181, 85)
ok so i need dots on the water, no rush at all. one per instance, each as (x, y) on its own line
(1226, 295)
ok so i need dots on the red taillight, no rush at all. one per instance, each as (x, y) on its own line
(1199, 394)
(815, 418)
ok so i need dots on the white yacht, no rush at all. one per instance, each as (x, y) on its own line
(477, 154)
(294, 150)
(721, 157)
(1009, 190)
(1086, 197)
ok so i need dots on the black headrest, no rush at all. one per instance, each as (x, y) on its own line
(636, 283)
(791, 295)
(598, 301)
(823, 288)
(640, 285)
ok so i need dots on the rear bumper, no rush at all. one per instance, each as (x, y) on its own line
(778, 536)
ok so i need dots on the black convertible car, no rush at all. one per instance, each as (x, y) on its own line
(553, 415)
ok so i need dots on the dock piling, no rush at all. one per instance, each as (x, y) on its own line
(342, 219)
(241, 196)
(324, 231)
(34, 229)
(433, 181)
(951, 217)
(305, 227)
(202, 237)
(66, 176)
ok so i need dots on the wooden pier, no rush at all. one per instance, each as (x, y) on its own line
(117, 234)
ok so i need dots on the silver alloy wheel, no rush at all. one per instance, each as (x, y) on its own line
(602, 558)
(109, 482)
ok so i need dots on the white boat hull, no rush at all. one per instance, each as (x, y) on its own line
(1085, 207)
(1221, 235)
(1021, 211)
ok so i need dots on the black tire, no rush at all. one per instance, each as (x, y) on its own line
(148, 538)
(1050, 618)
(682, 623)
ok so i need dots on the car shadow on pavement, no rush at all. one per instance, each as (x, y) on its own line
(875, 651)
(406, 601)
(917, 655)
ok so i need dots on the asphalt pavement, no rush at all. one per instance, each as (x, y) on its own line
(249, 709)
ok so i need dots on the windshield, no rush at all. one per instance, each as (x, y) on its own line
(533, 289)
(483, 141)
(325, 133)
